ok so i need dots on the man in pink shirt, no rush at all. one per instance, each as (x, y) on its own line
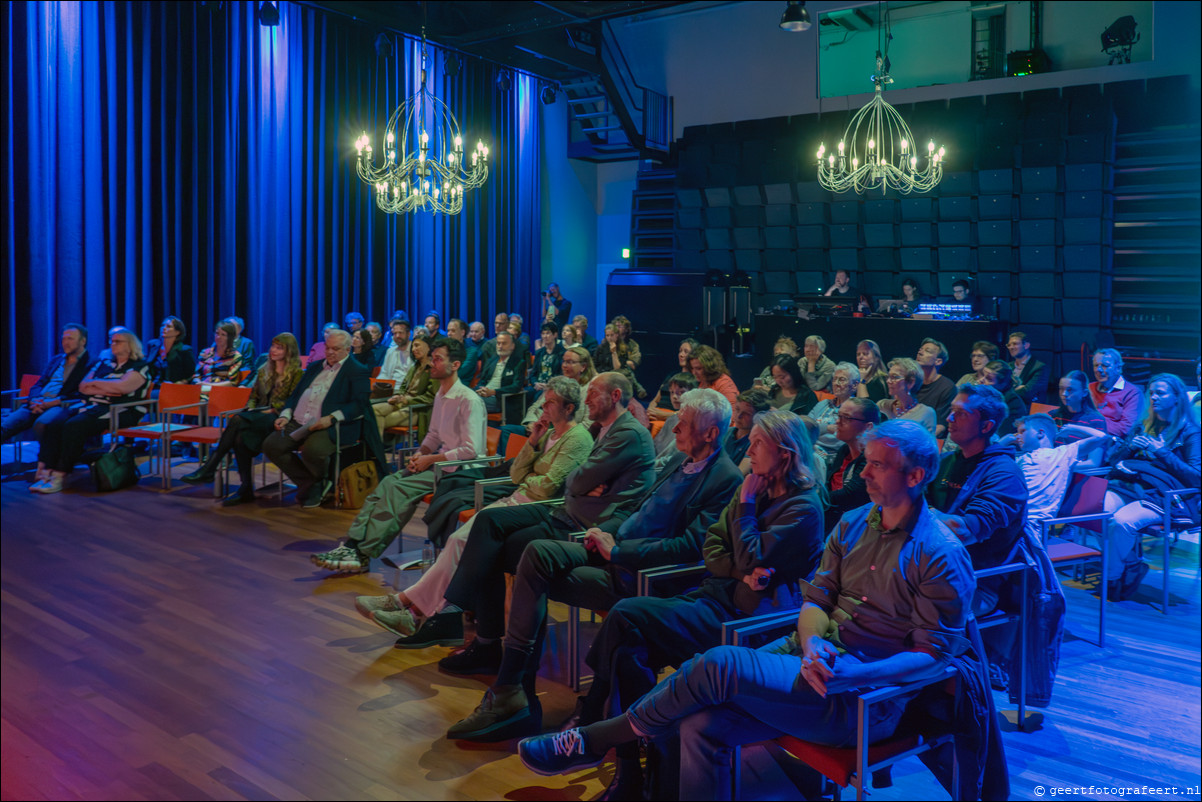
(1118, 401)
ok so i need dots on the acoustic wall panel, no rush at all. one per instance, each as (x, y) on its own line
(916, 234)
(880, 235)
(995, 207)
(779, 214)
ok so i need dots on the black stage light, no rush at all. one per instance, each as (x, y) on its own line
(547, 95)
(504, 81)
(796, 17)
(269, 13)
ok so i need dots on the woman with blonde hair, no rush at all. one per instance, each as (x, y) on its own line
(904, 380)
(245, 432)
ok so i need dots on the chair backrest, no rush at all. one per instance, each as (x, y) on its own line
(28, 380)
(375, 371)
(177, 395)
(1085, 495)
(514, 444)
(493, 438)
(824, 396)
(304, 361)
(225, 397)
(1046, 409)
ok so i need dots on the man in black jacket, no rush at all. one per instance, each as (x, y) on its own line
(59, 382)
(504, 373)
(1030, 375)
(846, 487)
(332, 391)
(668, 529)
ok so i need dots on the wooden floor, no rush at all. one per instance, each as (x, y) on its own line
(157, 647)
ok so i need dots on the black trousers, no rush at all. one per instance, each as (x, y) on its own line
(494, 548)
(64, 439)
(643, 635)
(244, 437)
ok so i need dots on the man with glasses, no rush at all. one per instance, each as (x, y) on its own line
(456, 432)
(333, 390)
(846, 487)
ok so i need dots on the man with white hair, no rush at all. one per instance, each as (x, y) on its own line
(688, 496)
(333, 390)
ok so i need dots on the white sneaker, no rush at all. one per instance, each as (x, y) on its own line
(37, 485)
(52, 485)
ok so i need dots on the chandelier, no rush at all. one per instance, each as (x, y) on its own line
(436, 174)
(882, 154)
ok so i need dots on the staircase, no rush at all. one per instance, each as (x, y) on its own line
(1157, 236)
(653, 220)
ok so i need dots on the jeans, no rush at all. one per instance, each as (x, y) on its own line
(1124, 533)
(731, 696)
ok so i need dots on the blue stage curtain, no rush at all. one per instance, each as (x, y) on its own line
(180, 158)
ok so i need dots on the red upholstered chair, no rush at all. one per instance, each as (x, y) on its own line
(28, 380)
(1046, 409)
(174, 399)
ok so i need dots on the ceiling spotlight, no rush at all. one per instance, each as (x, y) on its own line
(384, 46)
(547, 95)
(450, 65)
(269, 13)
(795, 18)
(504, 81)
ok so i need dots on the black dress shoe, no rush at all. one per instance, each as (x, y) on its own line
(626, 786)
(442, 629)
(239, 497)
(200, 476)
(577, 718)
(1133, 577)
(477, 658)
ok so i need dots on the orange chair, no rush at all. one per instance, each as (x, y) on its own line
(1046, 409)
(375, 371)
(824, 396)
(224, 400)
(174, 399)
(1083, 507)
(513, 445)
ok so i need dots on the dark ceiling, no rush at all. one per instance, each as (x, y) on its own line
(536, 37)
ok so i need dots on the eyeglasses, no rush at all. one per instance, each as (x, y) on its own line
(850, 418)
(892, 378)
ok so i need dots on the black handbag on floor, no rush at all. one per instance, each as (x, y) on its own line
(115, 470)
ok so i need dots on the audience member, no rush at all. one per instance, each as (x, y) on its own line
(872, 371)
(124, 378)
(580, 323)
(363, 348)
(547, 358)
(903, 378)
(665, 440)
(456, 432)
(433, 326)
(1162, 453)
(246, 431)
(473, 352)
(667, 529)
(503, 374)
(619, 355)
(998, 376)
(411, 400)
(842, 288)
(792, 393)
(577, 365)
(658, 409)
(457, 330)
(317, 351)
(568, 336)
(332, 392)
(846, 487)
(244, 345)
(609, 485)
(1076, 406)
(767, 539)
(983, 352)
(521, 340)
(353, 322)
(380, 344)
(221, 362)
(1116, 400)
(962, 294)
(816, 367)
(783, 345)
(398, 359)
(47, 400)
(1030, 375)
(980, 491)
(709, 369)
(858, 628)
(748, 404)
(168, 357)
(844, 384)
(936, 391)
(1046, 467)
(556, 308)
(500, 324)
(557, 446)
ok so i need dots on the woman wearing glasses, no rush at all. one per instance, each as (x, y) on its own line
(844, 384)
(904, 380)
